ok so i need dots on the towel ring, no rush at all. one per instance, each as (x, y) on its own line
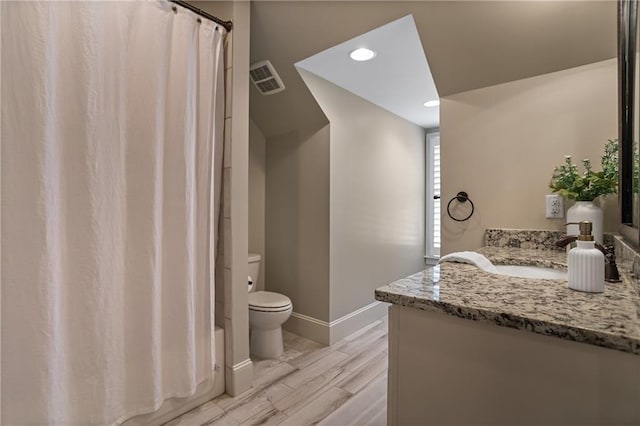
(462, 197)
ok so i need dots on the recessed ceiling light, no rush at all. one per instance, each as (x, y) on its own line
(433, 103)
(362, 54)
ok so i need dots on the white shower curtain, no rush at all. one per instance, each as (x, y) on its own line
(112, 118)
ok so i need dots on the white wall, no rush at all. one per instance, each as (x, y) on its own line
(257, 171)
(501, 143)
(377, 196)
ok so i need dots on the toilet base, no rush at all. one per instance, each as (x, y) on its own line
(266, 343)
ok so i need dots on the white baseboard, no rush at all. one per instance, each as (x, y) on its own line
(308, 327)
(329, 333)
(350, 323)
(239, 377)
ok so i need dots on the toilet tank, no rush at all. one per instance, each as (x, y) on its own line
(254, 267)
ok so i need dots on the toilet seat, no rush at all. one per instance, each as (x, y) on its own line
(267, 301)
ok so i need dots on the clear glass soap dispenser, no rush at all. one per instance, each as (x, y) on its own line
(586, 262)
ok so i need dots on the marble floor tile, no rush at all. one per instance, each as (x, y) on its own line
(319, 408)
(350, 371)
(254, 408)
(303, 375)
(379, 419)
(296, 346)
(224, 421)
(354, 346)
(363, 330)
(309, 358)
(261, 384)
(369, 407)
(367, 350)
(262, 365)
(308, 391)
(349, 345)
(260, 403)
(275, 373)
(278, 391)
(344, 384)
(199, 415)
(360, 379)
(268, 418)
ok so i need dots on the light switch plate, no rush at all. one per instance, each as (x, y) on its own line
(555, 207)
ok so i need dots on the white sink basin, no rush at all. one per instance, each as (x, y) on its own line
(531, 272)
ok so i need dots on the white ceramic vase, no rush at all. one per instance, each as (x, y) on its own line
(585, 210)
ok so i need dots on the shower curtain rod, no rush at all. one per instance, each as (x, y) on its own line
(228, 25)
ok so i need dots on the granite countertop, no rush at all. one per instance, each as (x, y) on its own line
(543, 306)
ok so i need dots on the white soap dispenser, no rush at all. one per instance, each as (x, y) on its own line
(586, 262)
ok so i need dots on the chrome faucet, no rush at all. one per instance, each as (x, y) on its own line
(611, 274)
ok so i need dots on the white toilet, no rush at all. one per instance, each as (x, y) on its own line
(267, 312)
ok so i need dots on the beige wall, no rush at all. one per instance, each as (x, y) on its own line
(238, 366)
(344, 211)
(257, 171)
(297, 219)
(501, 143)
(377, 196)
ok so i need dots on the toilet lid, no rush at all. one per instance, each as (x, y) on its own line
(268, 299)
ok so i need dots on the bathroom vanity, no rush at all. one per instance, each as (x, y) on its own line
(471, 347)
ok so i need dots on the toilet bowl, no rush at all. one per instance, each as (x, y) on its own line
(267, 312)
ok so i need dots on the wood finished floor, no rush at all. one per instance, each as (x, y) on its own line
(345, 384)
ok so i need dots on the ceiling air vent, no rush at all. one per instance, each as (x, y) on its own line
(265, 78)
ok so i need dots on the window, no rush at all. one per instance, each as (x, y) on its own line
(432, 251)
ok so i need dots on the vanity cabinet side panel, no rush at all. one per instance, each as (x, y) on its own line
(450, 370)
(392, 373)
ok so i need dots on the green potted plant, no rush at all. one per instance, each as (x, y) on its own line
(585, 187)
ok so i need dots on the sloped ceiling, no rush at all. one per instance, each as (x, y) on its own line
(397, 78)
(468, 44)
